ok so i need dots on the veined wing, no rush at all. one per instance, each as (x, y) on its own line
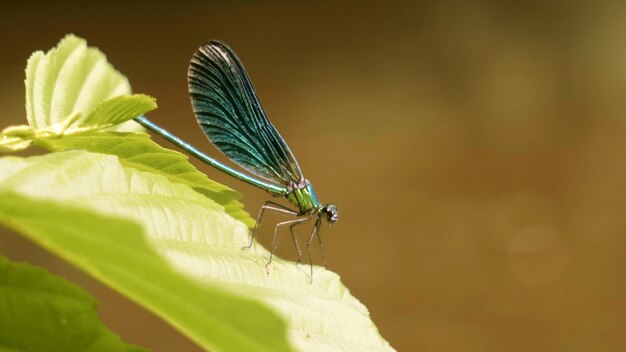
(231, 115)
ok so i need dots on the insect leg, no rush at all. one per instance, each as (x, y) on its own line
(275, 239)
(270, 206)
(308, 244)
(319, 238)
(295, 239)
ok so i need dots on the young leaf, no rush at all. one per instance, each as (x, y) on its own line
(119, 109)
(43, 312)
(68, 83)
(13, 144)
(140, 152)
(189, 233)
(14, 138)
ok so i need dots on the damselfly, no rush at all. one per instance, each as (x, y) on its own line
(231, 116)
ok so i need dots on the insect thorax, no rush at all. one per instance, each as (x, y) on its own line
(303, 196)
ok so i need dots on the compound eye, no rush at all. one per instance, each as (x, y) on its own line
(332, 215)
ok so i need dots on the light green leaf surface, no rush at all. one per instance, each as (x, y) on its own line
(68, 83)
(190, 234)
(119, 109)
(14, 138)
(13, 144)
(117, 252)
(45, 313)
(140, 152)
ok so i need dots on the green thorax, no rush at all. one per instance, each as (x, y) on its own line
(303, 196)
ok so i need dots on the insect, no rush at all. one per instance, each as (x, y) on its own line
(231, 116)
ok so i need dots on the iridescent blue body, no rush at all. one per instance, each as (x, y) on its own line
(231, 116)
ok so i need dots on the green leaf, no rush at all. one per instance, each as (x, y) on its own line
(190, 244)
(140, 152)
(21, 131)
(14, 138)
(68, 83)
(119, 109)
(13, 144)
(43, 312)
(115, 251)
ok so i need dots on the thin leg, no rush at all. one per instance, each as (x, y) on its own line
(271, 206)
(275, 239)
(308, 244)
(319, 238)
(295, 240)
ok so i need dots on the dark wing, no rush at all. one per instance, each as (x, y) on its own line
(231, 115)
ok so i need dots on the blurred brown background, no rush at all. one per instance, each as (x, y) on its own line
(475, 150)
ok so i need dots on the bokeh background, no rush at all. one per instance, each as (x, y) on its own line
(476, 151)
